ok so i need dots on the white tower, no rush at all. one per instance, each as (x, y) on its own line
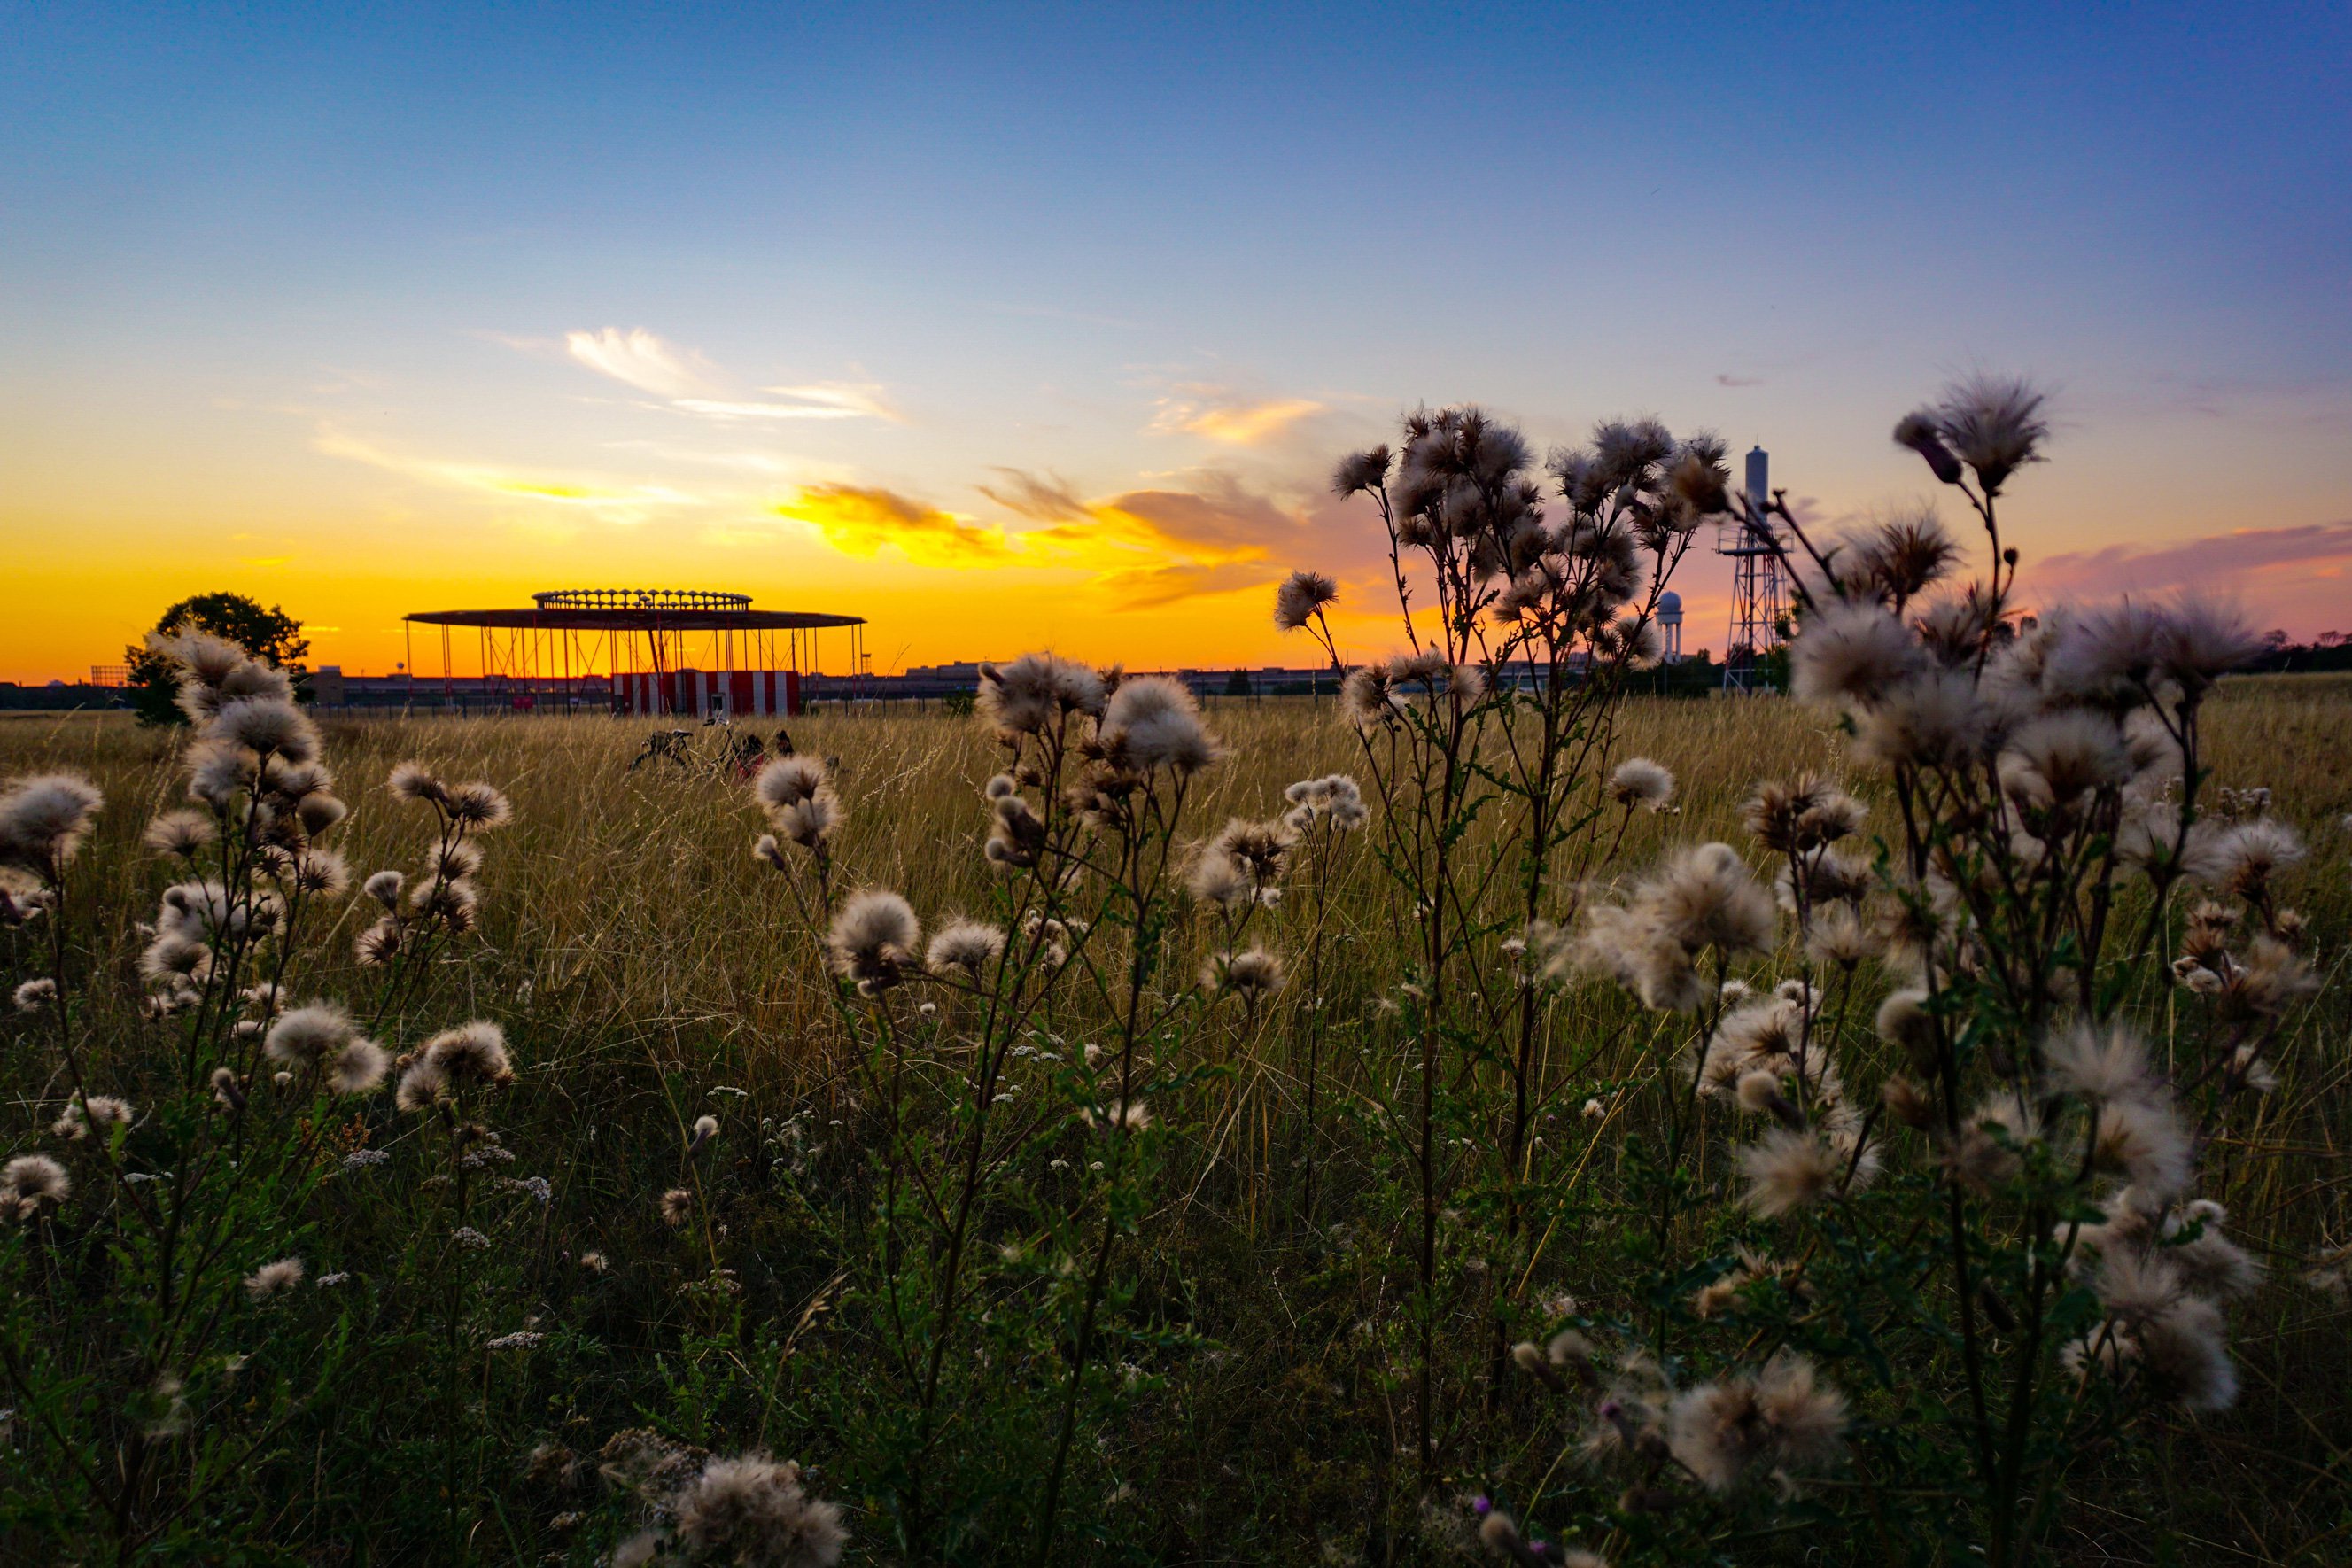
(1754, 547)
(1670, 625)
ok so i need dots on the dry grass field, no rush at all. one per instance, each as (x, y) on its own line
(647, 971)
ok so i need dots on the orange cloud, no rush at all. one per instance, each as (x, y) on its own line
(1151, 548)
(1154, 587)
(1143, 548)
(860, 521)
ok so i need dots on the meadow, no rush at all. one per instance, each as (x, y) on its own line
(646, 973)
(1494, 1114)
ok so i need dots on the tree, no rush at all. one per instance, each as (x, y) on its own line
(1238, 684)
(270, 636)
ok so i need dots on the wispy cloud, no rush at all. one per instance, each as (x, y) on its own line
(643, 360)
(827, 400)
(1218, 414)
(616, 499)
(691, 384)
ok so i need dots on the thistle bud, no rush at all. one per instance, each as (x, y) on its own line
(1919, 432)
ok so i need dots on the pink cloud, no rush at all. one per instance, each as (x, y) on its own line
(2294, 576)
(2195, 561)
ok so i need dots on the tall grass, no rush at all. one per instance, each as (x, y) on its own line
(645, 974)
(1100, 1130)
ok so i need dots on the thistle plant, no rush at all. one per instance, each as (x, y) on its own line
(1995, 1264)
(1084, 827)
(157, 1254)
(1521, 628)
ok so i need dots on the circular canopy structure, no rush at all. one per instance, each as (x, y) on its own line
(638, 610)
(649, 649)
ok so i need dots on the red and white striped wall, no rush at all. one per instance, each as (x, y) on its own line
(701, 693)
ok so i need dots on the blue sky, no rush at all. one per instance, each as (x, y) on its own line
(278, 289)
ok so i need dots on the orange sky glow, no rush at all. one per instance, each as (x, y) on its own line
(1008, 331)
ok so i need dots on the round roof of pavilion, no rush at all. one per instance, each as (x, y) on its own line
(638, 610)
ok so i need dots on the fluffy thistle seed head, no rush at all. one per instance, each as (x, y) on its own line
(414, 781)
(30, 1181)
(1301, 595)
(1839, 935)
(1367, 700)
(320, 871)
(1036, 692)
(422, 1086)
(1706, 898)
(317, 813)
(377, 945)
(1847, 652)
(100, 1110)
(200, 655)
(1638, 781)
(268, 727)
(218, 774)
(2205, 641)
(810, 823)
(2249, 854)
(359, 1068)
(479, 806)
(1152, 723)
(2099, 1062)
(1357, 471)
(1782, 1417)
(874, 938)
(1253, 975)
(1788, 1170)
(965, 945)
(2142, 1140)
(304, 1037)
(1995, 424)
(273, 1279)
(787, 781)
(453, 861)
(1795, 818)
(1895, 560)
(472, 1054)
(180, 833)
(753, 1510)
(1929, 718)
(43, 820)
(2053, 759)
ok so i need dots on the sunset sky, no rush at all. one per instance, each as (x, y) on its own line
(1007, 326)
